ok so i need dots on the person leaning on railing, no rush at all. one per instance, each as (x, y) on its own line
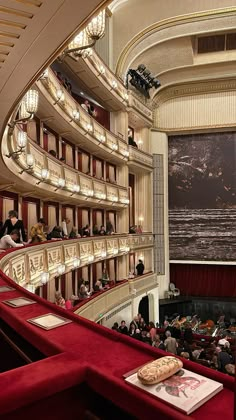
(36, 232)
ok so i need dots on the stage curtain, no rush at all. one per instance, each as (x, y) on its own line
(204, 280)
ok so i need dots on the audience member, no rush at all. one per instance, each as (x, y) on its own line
(95, 230)
(156, 342)
(64, 224)
(86, 231)
(170, 343)
(13, 223)
(10, 241)
(56, 233)
(37, 233)
(102, 230)
(53, 153)
(115, 327)
(73, 233)
(105, 277)
(98, 286)
(123, 328)
(109, 228)
(59, 300)
(140, 268)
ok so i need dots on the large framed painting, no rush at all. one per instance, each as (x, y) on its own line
(202, 197)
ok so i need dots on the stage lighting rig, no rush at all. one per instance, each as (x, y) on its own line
(142, 79)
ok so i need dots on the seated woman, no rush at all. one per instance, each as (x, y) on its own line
(59, 299)
(83, 291)
(73, 234)
(56, 233)
(98, 286)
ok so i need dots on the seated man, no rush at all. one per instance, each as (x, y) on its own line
(140, 268)
(9, 241)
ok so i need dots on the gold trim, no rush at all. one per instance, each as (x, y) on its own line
(167, 23)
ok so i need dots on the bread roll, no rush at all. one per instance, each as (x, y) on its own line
(159, 370)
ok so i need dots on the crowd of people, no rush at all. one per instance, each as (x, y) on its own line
(13, 233)
(214, 354)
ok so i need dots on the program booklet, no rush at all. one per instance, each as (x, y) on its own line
(186, 391)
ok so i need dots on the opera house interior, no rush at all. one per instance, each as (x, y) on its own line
(117, 204)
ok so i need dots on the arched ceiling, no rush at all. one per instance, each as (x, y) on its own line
(32, 33)
(162, 37)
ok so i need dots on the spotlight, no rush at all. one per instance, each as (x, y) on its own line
(142, 79)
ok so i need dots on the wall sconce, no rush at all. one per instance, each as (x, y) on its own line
(75, 189)
(60, 183)
(44, 175)
(114, 84)
(44, 75)
(102, 138)
(61, 269)
(114, 147)
(124, 200)
(21, 143)
(126, 97)
(44, 277)
(90, 258)
(101, 70)
(126, 153)
(115, 251)
(87, 38)
(127, 249)
(27, 109)
(76, 263)
(29, 163)
(140, 143)
(103, 254)
(60, 96)
(75, 115)
(89, 128)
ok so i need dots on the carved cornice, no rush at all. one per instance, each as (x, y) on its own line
(194, 88)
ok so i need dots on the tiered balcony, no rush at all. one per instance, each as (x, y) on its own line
(26, 265)
(139, 160)
(63, 180)
(82, 128)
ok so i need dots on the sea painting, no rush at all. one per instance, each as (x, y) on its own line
(202, 197)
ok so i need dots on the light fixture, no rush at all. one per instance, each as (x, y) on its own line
(75, 115)
(124, 200)
(29, 162)
(126, 97)
(127, 248)
(89, 128)
(27, 109)
(87, 38)
(61, 182)
(103, 254)
(90, 258)
(44, 175)
(44, 75)
(101, 70)
(76, 263)
(114, 84)
(60, 96)
(140, 143)
(142, 80)
(44, 277)
(126, 153)
(114, 146)
(115, 251)
(102, 138)
(21, 143)
(61, 269)
(75, 189)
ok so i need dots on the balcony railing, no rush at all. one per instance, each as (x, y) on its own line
(63, 179)
(80, 120)
(140, 159)
(96, 307)
(25, 265)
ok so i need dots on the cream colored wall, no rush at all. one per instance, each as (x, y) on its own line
(201, 111)
(159, 142)
(144, 201)
(125, 27)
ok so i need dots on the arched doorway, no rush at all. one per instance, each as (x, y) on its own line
(143, 308)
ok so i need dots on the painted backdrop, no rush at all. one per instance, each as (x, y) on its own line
(202, 197)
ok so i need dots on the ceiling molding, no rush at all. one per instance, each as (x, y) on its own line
(168, 23)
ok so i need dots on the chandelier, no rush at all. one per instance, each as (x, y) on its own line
(87, 38)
